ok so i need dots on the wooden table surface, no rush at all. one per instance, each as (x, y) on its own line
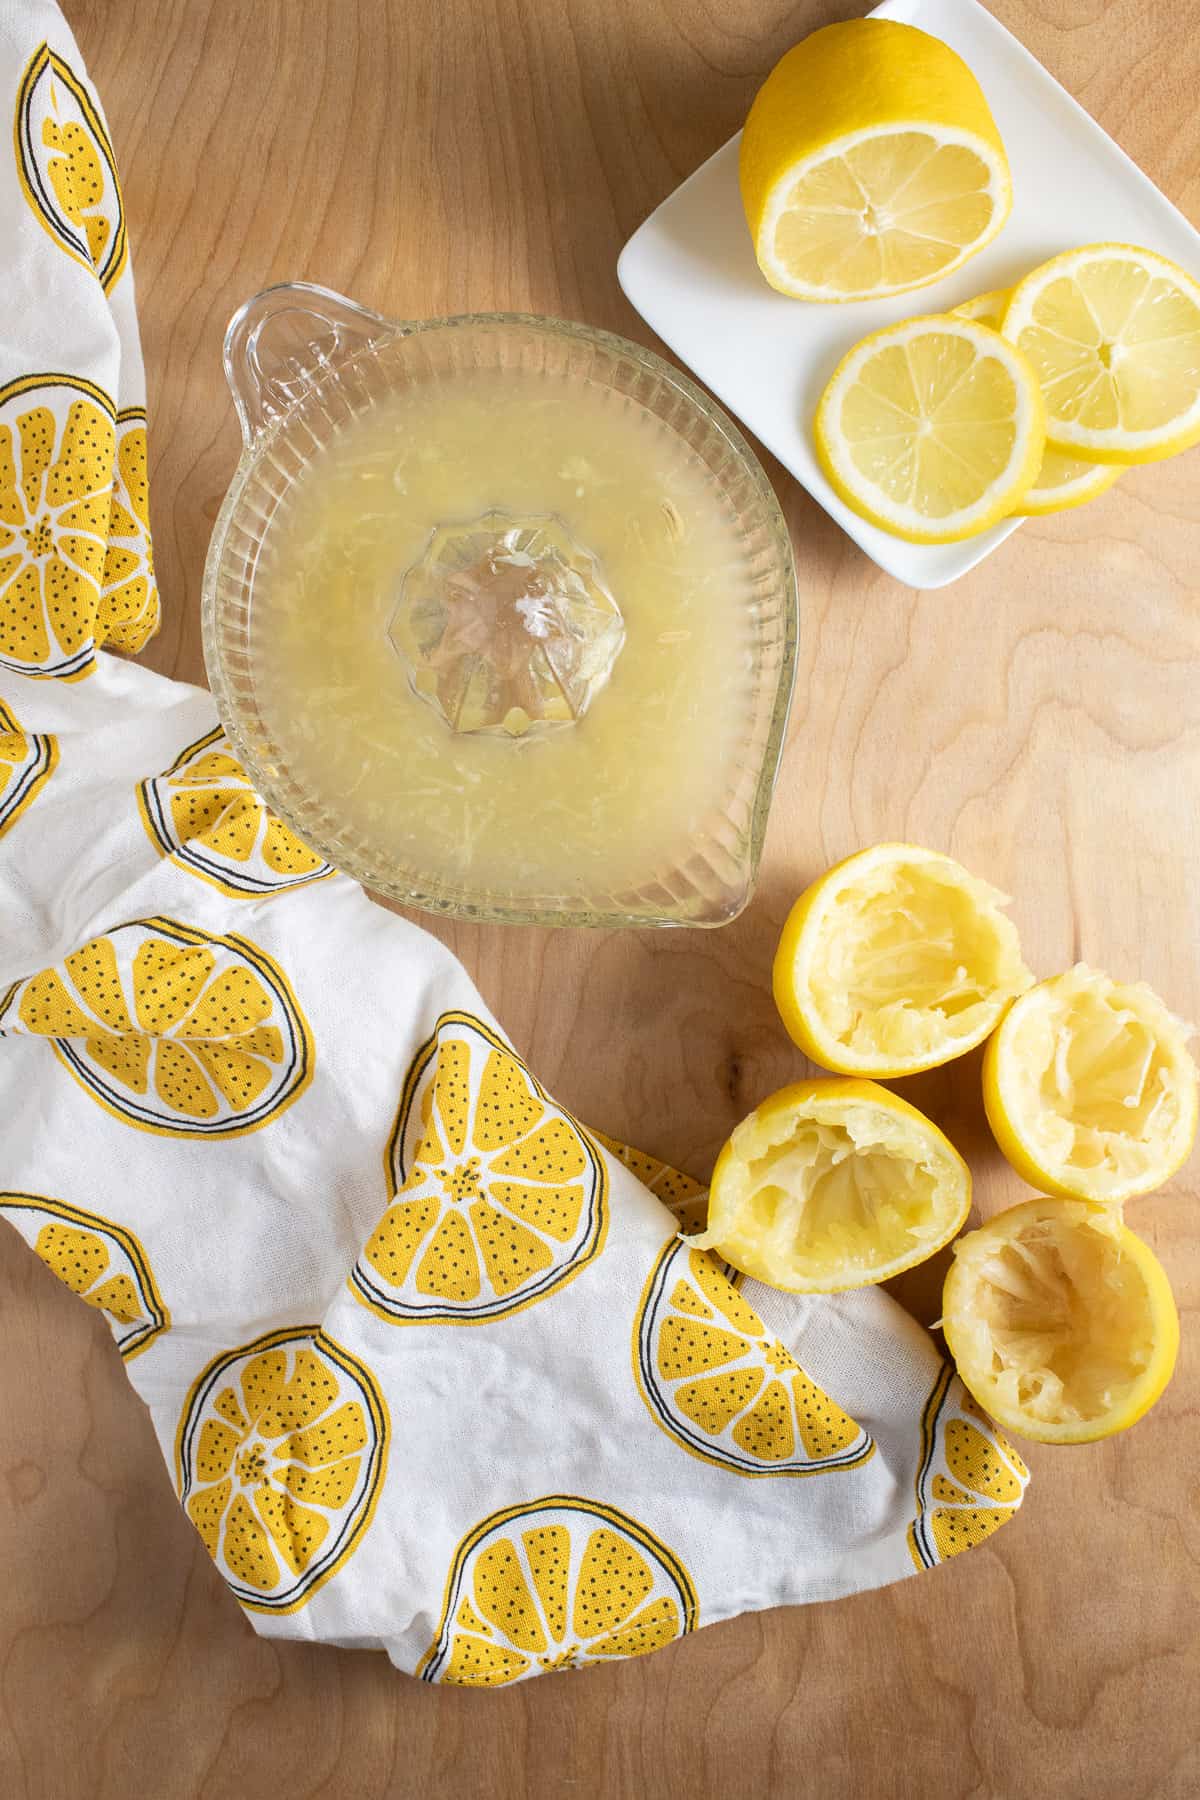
(1040, 720)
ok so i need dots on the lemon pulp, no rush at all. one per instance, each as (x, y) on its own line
(883, 215)
(834, 1184)
(1090, 1089)
(1060, 1320)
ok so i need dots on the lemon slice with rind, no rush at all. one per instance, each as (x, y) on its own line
(1061, 1321)
(932, 429)
(1063, 481)
(1113, 332)
(870, 164)
(985, 309)
(834, 1184)
(896, 960)
(1090, 1089)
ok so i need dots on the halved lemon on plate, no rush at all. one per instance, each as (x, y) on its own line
(1113, 332)
(1090, 1089)
(896, 960)
(1060, 1321)
(932, 429)
(834, 1184)
(870, 164)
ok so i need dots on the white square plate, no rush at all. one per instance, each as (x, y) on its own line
(691, 273)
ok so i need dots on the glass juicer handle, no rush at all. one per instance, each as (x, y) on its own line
(284, 339)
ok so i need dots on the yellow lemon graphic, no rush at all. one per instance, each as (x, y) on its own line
(27, 761)
(66, 166)
(499, 1196)
(171, 1029)
(684, 1198)
(203, 812)
(970, 1479)
(556, 1583)
(57, 439)
(715, 1380)
(127, 617)
(280, 1460)
(100, 1261)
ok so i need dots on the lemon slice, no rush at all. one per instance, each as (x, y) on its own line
(870, 164)
(932, 428)
(834, 1184)
(1060, 1320)
(985, 309)
(1062, 481)
(1114, 334)
(1089, 1087)
(896, 960)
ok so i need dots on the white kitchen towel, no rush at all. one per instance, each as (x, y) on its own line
(431, 1366)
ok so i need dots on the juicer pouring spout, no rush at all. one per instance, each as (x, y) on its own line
(288, 337)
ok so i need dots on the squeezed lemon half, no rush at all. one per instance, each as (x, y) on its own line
(870, 164)
(1113, 332)
(834, 1184)
(1090, 1089)
(932, 428)
(1060, 1320)
(896, 960)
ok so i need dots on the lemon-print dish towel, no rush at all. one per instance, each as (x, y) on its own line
(430, 1365)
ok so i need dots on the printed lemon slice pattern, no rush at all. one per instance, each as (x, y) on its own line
(66, 166)
(970, 1480)
(557, 1583)
(127, 617)
(171, 1029)
(280, 1460)
(27, 761)
(100, 1261)
(684, 1198)
(57, 438)
(715, 1380)
(204, 814)
(499, 1196)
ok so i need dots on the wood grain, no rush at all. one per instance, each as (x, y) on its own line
(1041, 720)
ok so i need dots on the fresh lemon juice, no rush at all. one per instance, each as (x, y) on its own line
(503, 632)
